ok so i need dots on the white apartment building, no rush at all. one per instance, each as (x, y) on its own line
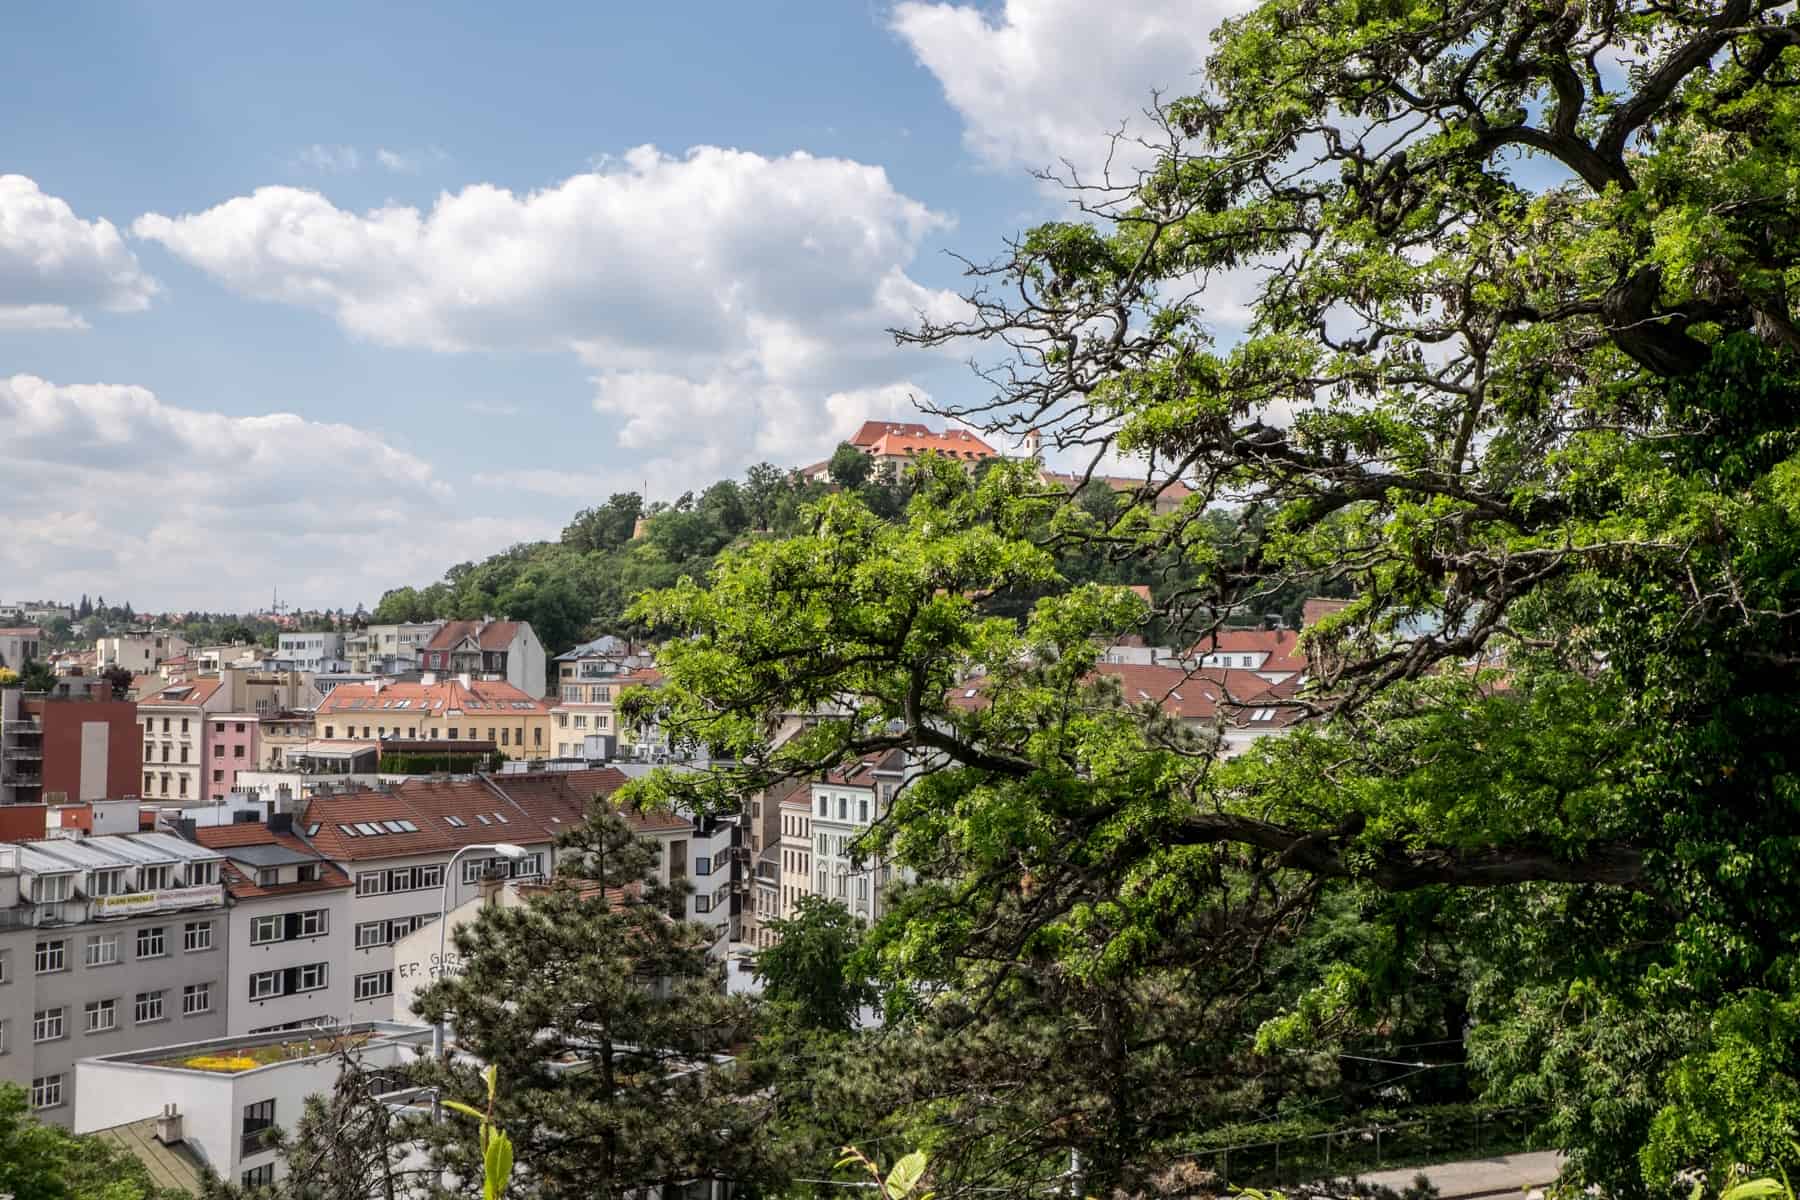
(397, 647)
(395, 847)
(288, 929)
(174, 724)
(138, 650)
(844, 804)
(246, 1086)
(318, 651)
(106, 944)
(19, 646)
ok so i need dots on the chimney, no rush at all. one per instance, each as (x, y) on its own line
(464, 679)
(168, 1126)
(491, 883)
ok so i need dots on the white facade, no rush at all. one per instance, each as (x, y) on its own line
(138, 650)
(310, 651)
(289, 957)
(392, 897)
(222, 1112)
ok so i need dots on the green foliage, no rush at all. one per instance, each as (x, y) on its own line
(813, 966)
(44, 1162)
(426, 763)
(604, 1018)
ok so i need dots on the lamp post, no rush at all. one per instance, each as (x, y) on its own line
(505, 850)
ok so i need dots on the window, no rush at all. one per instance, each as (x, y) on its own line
(601, 695)
(102, 1015)
(184, 752)
(267, 876)
(257, 1177)
(580, 721)
(4, 964)
(311, 923)
(823, 810)
(181, 783)
(307, 873)
(702, 903)
(330, 733)
(259, 1118)
(51, 956)
(843, 808)
(237, 752)
(101, 950)
(52, 889)
(47, 1024)
(452, 733)
(107, 883)
(374, 985)
(310, 978)
(151, 943)
(862, 807)
(196, 998)
(264, 984)
(156, 879)
(148, 1007)
(702, 864)
(371, 933)
(265, 929)
(196, 935)
(219, 750)
(239, 726)
(2, 1036)
(46, 1091)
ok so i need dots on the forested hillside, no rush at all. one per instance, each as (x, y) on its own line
(581, 585)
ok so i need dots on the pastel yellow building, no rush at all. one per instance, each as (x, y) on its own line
(456, 708)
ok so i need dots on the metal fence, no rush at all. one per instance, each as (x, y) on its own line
(1373, 1146)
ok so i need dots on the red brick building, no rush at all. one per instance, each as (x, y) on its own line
(64, 750)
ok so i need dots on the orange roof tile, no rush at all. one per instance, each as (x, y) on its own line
(1281, 645)
(957, 443)
(197, 692)
(481, 696)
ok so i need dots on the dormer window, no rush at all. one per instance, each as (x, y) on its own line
(52, 889)
(158, 878)
(108, 883)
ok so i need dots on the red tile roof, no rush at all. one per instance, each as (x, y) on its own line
(242, 885)
(1198, 694)
(560, 798)
(861, 772)
(199, 691)
(1165, 489)
(1202, 694)
(1281, 645)
(873, 431)
(480, 697)
(427, 805)
(957, 443)
(494, 635)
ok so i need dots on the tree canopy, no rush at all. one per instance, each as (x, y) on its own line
(1519, 375)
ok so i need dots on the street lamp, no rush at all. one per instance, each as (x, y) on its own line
(505, 850)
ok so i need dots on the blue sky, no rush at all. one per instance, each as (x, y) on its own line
(335, 296)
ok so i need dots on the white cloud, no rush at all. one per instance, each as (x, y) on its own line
(54, 265)
(707, 293)
(408, 162)
(116, 492)
(1041, 81)
(332, 160)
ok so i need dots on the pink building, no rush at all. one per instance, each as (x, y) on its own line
(232, 742)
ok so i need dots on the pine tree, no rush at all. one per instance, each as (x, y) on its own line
(609, 1024)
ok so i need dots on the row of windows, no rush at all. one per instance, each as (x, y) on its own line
(150, 752)
(289, 981)
(386, 933)
(237, 751)
(150, 782)
(102, 949)
(500, 737)
(793, 825)
(399, 879)
(529, 867)
(374, 985)
(150, 724)
(100, 1016)
(596, 693)
(601, 721)
(843, 808)
(287, 927)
